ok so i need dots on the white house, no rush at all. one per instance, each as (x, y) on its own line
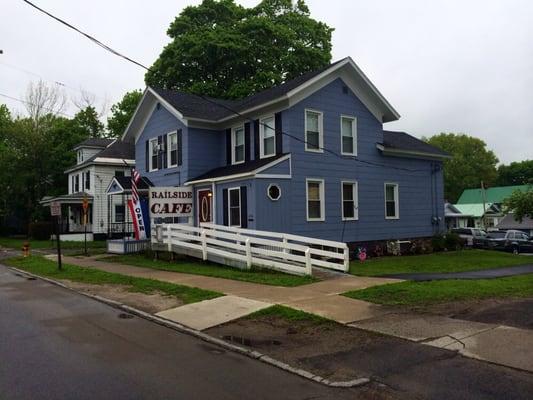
(99, 160)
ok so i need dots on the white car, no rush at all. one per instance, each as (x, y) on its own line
(470, 235)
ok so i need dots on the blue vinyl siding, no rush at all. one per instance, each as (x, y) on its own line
(282, 168)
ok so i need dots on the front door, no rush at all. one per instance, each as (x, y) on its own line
(205, 206)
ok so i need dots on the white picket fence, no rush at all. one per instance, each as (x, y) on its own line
(283, 252)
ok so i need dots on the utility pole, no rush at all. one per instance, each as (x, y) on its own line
(484, 205)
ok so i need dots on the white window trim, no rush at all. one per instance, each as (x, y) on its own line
(396, 198)
(175, 133)
(268, 191)
(151, 167)
(262, 137)
(229, 206)
(354, 134)
(322, 199)
(320, 131)
(233, 143)
(355, 194)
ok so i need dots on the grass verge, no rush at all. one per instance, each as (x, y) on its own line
(184, 265)
(43, 267)
(16, 243)
(434, 292)
(289, 314)
(452, 261)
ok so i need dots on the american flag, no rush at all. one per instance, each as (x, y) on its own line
(135, 176)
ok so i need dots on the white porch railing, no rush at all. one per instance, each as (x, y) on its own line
(284, 252)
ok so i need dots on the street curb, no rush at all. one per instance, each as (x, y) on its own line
(207, 338)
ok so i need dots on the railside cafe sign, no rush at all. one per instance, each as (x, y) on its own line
(170, 202)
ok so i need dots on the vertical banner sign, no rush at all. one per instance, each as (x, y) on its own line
(138, 217)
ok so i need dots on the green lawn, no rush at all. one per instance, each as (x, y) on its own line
(41, 266)
(289, 314)
(452, 261)
(262, 276)
(16, 243)
(426, 293)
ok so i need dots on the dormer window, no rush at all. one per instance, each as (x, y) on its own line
(80, 156)
(237, 145)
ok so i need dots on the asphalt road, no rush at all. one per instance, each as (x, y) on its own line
(56, 344)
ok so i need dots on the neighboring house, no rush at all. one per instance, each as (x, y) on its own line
(98, 161)
(509, 222)
(308, 157)
(483, 208)
(454, 218)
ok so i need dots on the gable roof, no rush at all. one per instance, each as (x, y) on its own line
(117, 150)
(492, 195)
(122, 184)
(508, 222)
(398, 143)
(205, 109)
(238, 170)
(94, 143)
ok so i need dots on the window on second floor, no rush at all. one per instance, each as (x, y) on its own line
(119, 173)
(237, 145)
(88, 180)
(267, 137)
(172, 140)
(76, 183)
(349, 136)
(314, 132)
(154, 154)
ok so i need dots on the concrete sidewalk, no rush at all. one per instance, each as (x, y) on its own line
(494, 343)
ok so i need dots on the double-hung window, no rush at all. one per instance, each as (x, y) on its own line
(120, 213)
(349, 201)
(237, 141)
(154, 154)
(172, 155)
(315, 199)
(76, 183)
(392, 210)
(88, 180)
(348, 136)
(314, 135)
(267, 133)
(234, 206)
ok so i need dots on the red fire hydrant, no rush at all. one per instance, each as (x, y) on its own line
(26, 249)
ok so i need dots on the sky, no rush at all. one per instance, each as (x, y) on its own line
(446, 66)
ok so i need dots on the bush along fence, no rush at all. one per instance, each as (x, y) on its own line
(244, 248)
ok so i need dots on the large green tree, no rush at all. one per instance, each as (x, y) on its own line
(471, 163)
(520, 203)
(224, 50)
(122, 112)
(516, 173)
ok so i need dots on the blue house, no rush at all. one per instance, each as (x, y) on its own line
(309, 157)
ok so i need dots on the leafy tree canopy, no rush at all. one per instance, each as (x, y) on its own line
(516, 173)
(86, 121)
(122, 112)
(520, 203)
(224, 50)
(470, 164)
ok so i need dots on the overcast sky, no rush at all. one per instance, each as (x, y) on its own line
(454, 65)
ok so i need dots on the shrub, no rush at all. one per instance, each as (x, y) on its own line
(452, 241)
(40, 230)
(438, 242)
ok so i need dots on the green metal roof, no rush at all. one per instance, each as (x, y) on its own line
(473, 210)
(492, 195)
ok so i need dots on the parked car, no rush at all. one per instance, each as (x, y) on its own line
(514, 241)
(474, 237)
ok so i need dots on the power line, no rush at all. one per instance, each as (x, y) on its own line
(106, 47)
(91, 38)
(32, 104)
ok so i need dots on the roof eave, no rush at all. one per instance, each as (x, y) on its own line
(389, 151)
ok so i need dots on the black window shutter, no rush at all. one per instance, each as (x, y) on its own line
(244, 208)
(159, 152)
(165, 153)
(247, 141)
(256, 139)
(225, 219)
(148, 155)
(228, 146)
(279, 136)
(180, 147)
